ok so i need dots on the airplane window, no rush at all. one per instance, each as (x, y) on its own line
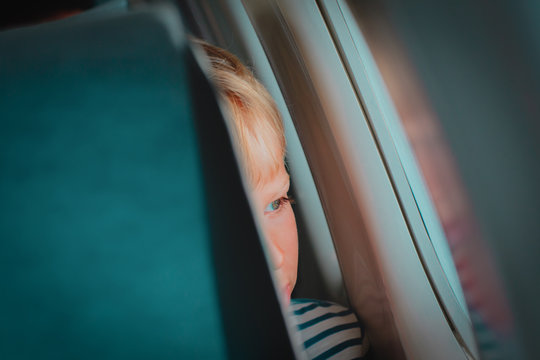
(423, 137)
(446, 210)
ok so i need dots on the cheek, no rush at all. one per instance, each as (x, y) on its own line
(290, 236)
(283, 234)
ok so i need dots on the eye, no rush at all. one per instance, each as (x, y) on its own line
(277, 204)
(274, 206)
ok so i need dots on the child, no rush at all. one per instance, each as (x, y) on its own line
(326, 329)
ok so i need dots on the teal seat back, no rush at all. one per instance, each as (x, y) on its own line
(105, 249)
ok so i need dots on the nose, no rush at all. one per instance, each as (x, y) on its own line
(276, 254)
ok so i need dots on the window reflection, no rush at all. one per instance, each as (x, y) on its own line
(483, 293)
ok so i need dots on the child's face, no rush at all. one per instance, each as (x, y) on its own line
(279, 226)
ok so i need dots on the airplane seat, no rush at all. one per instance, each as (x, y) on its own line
(121, 201)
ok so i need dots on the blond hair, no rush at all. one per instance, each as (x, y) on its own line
(257, 125)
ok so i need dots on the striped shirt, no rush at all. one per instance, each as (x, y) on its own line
(328, 330)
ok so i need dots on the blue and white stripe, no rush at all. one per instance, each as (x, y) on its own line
(328, 330)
